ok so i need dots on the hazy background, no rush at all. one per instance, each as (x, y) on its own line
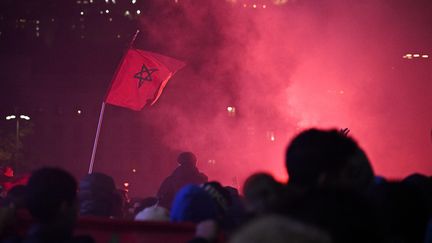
(257, 73)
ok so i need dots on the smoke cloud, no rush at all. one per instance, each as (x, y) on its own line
(257, 76)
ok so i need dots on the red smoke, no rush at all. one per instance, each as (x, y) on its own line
(331, 64)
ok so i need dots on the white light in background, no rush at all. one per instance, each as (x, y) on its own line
(271, 136)
(138, 11)
(25, 117)
(231, 111)
(133, 170)
(417, 55)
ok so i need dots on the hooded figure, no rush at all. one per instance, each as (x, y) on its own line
(186, 173)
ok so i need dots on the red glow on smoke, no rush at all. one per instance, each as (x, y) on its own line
(255, 78)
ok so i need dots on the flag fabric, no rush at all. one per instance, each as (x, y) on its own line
(141, 78)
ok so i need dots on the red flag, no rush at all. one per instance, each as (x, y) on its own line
(140, 79)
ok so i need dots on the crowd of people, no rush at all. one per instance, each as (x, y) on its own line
(332, 195)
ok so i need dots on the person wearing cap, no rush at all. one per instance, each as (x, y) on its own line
(185, 173)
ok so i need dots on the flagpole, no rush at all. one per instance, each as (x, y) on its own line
(95, 144)
(102, 111)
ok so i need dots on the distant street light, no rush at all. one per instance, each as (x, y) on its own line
(17, 118)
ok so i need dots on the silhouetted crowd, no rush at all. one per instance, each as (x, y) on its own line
(332, 195)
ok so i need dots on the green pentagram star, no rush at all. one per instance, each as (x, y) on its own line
(148, 77)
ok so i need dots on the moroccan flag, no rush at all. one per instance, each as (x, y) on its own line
(140, 79)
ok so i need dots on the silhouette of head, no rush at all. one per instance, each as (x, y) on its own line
(327, 158)
(97, 195)
(51, 193)
(187, 159)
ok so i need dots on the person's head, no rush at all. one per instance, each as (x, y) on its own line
(198, 203)
(261, 191)
(187, 159)
(136, 205)
(153, 213)
(51, 196)
(327, 158)
(97, 195)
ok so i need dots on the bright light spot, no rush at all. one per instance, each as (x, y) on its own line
(118, 36)
(133, 170)
(231, 111)
(106, 1)
(52, 20)
(416, 55)
(91, 1)
(110, 19)
(127, 13)
(408, 56)
(79, 112)
(25, 117)
(101, 12)
(107, 11)
(10, 117)
(138, 11)
(113, 1)
(82, 13)
(176, 1)
(244, 5)
(126, 184)
(37, 21)
(425, 56)
(254, 6)
(271, 136)
(212, 161)
(37, 34)
(264, 6)
(133, 1)
(37, 27)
